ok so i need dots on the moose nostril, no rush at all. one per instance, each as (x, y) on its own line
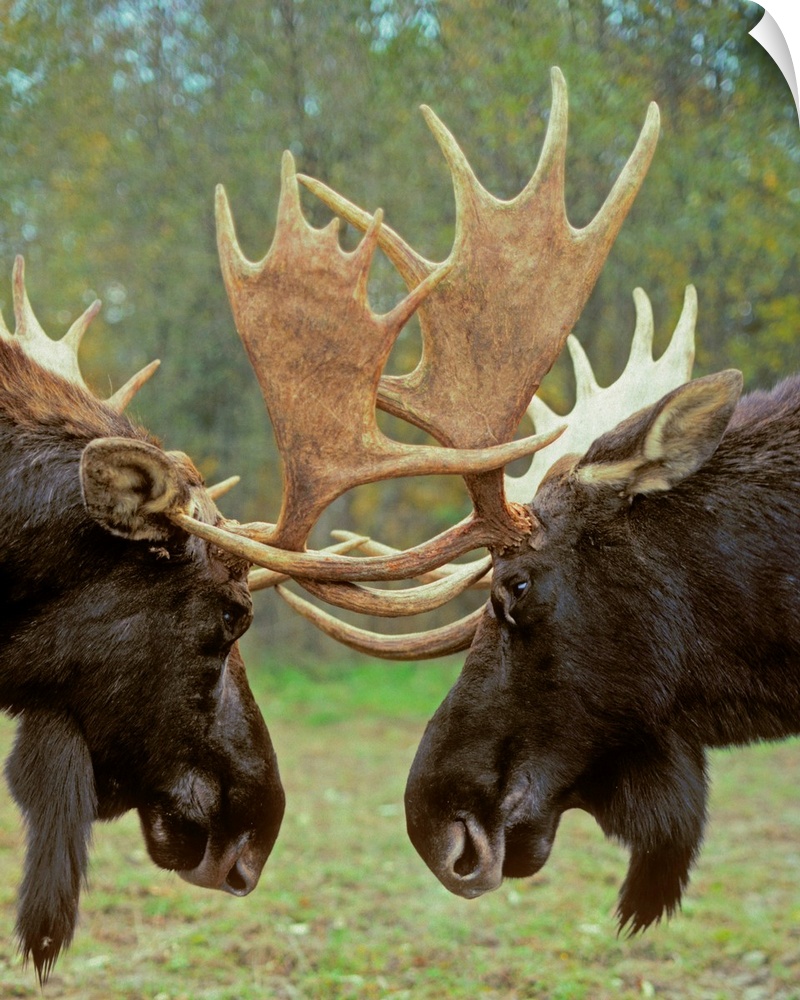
(468, 861)
(467, 848)
(242, 878)
(471, 862)
(235, 882)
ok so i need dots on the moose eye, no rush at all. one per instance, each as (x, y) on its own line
(236, 618)
(505, 598)
(232, 616)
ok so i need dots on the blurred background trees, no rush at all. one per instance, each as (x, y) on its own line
(119, 118)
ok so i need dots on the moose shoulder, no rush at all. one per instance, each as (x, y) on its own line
(653, 612)
(117, 649)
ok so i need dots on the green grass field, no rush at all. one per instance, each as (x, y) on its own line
(346, 909)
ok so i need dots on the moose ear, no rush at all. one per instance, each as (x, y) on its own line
(659, 447)
(126, 482)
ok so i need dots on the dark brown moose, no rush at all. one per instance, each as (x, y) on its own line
(653, 611)
(118, 646)
(644, 606)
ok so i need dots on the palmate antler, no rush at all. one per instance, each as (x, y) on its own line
(318, 351)
(494, 317)
(61, 356)
(644, 381)
(520, 276)
(596, 411)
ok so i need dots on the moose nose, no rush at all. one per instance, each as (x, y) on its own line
(469, 864)
(234, 869)
(243, 876)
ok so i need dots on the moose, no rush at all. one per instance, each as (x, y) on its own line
(653, 611)
(119, 647)
(625, 631)
(644, 604)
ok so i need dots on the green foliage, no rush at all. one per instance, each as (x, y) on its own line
(320, 693)
(118, 118)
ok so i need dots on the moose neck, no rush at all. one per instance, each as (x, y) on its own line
(730, 535)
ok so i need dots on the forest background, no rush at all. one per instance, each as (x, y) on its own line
(118, 119)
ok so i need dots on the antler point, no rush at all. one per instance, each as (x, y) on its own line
(287, 161)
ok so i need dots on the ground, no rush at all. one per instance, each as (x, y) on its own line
(346, 909)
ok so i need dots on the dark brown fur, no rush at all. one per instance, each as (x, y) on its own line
(118, 657)
(655, 612)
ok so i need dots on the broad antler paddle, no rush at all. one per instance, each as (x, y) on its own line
(494, 317)
(519, 277)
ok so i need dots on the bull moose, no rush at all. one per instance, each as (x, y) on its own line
(625, 631)
(625, 634)
(118, 651)
(644, 605)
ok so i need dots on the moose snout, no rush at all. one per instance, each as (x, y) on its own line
(236, 869)
(464, 858)
(244, 873)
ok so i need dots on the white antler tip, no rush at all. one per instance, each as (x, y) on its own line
(557, 78)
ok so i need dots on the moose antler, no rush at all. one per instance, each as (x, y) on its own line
(318, 351)
(410, 646)
(61, 356)
(643, 381)
(494, 317)
(519, 276)
(596, 410)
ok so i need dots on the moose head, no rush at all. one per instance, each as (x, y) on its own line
(119, 645)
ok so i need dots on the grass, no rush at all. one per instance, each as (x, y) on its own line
(346, 909)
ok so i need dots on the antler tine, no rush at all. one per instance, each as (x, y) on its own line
(73, 337)
(58, 356)
(597, 410)
(372, 548)
(318, 351)
(643, 332)
(396, 603)
(61, 356)
(585, 382)
(225, 486)
(519, 277)
(608, 221)
(411, 646)
(261, 579)
(120, 400)
(324, 566)
(411, 266)
(679, 355)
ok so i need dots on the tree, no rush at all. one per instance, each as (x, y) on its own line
(118, 118)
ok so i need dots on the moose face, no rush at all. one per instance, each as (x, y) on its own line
(531, 730)
(601, 668)
(124, 668)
